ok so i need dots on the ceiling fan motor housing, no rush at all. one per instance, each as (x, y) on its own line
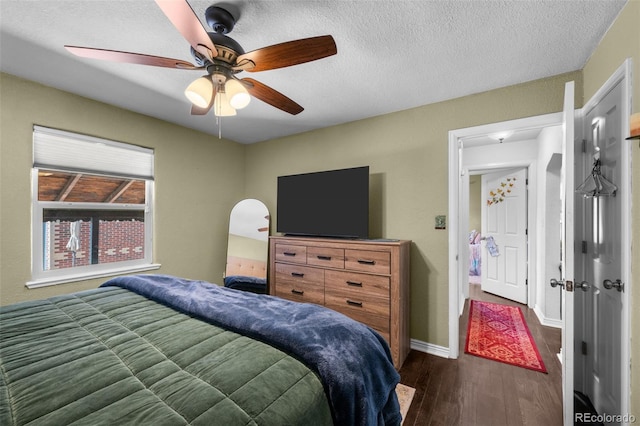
(228, 50)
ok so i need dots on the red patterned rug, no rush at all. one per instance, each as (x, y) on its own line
(499, 332)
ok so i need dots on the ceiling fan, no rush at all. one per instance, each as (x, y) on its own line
(222, 58)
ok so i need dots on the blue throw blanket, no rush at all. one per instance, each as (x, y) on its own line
(352, 360)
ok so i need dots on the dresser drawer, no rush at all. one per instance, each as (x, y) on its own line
(373, 288)
(380, 323)
(300, 283)
(303, 293)
(375, 262)
(371, 301)
(299, 274)
(291, 253)
(325, 257)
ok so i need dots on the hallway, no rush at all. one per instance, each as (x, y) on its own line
(476, 391)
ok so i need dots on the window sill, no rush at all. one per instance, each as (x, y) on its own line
(45, 282)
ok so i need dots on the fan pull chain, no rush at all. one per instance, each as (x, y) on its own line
(217, 108)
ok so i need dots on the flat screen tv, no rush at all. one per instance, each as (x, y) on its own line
(332, 203)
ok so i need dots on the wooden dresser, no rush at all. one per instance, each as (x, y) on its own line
(367, 280)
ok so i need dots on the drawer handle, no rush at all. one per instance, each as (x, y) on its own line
(352, 303)
(297, 274)
(366, 262)
(324, 257)
(354, 284)
(298, 292)
(289, 253)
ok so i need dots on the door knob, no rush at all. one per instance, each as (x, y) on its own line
(583, 285)
(555, 283)
(617, 284)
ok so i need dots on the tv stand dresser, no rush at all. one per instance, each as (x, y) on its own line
(367, 280)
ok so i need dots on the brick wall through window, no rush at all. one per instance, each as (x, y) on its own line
(118, 240)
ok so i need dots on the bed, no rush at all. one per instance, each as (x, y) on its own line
(161, 350)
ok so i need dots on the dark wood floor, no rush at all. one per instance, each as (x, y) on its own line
(477, 391)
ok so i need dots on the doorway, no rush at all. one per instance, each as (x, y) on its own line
(498, 224)
(478, 149)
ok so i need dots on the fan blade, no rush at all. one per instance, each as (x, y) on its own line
(187, 23)
(287, 54)
(196, 110)
(271, 96)
(130, 58)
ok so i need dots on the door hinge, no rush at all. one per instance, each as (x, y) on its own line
(584, 247)
(584, 146)
(526, 281)
(583, 347)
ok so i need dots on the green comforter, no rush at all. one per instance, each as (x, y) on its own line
(110, 356)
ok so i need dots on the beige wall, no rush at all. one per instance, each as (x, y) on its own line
(407, 154)
(198, 180)
(623, 41)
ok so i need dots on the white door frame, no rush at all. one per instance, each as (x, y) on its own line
(458, 223)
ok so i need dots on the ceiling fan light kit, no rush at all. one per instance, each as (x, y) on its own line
(222, 57)
(200, 91)
(237, 94)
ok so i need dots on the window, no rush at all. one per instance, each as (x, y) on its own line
(92, 207)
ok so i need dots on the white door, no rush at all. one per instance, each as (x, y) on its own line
(596, 246)
(504, 232)
(567, 244)
(604, 139)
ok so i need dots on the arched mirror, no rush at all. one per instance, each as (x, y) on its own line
(248, 247)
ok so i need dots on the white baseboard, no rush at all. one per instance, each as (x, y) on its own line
(549, 322)
(429, 348)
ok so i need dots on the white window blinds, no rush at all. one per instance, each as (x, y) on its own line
(60, 150)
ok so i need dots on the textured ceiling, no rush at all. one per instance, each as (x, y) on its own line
(392, 55)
